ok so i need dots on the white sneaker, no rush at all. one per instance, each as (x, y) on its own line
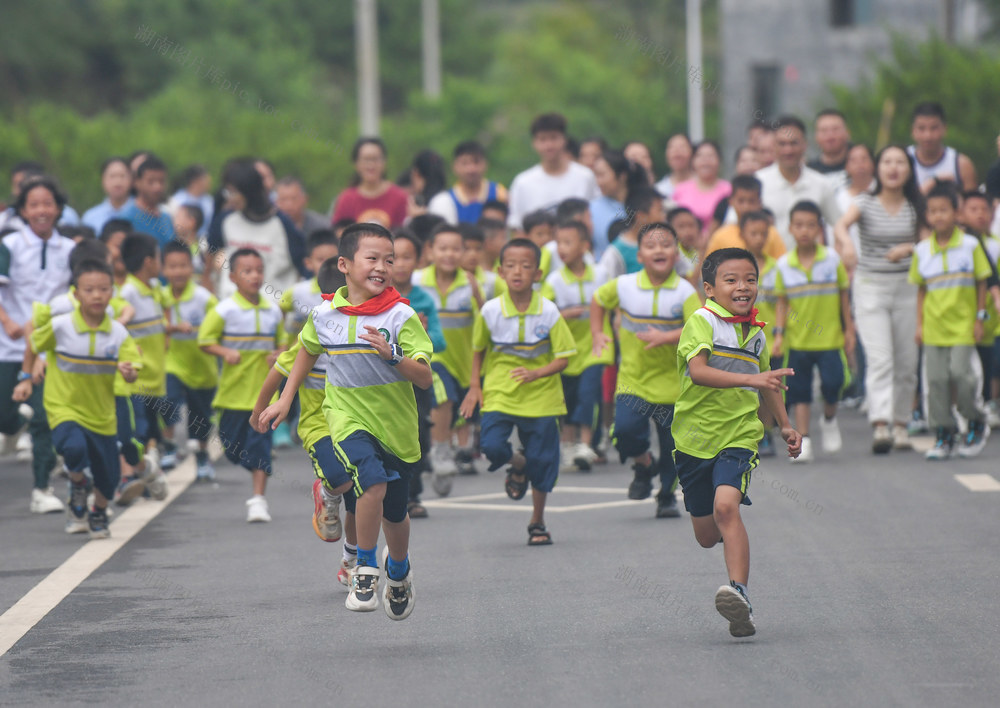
(153, 477)
(23, 448)
(397, 595)
(363, 593)
(344, 572)
(566, 462)
(735, 607)
(993, 414)
(807, 452)
(44, 501)
(831, 434)
(881, 440)
(443, 459)
(584, 456)
(901, 438)
(257, 510)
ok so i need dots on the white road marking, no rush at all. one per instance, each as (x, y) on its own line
(978, 482)
(473, 501)
(44, 597)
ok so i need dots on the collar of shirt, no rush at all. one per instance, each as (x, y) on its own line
(570, 277)
(81, 325)
(142, 287)
(646, 284)
(793, 257)
(430, 278)
(245, 304)
(954, 242)
(510, 310)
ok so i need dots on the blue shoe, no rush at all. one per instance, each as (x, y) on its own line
(282, 437)
(168, 460)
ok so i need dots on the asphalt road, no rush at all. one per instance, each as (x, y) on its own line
(873, 581)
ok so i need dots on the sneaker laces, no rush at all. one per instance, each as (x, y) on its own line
(365, 585)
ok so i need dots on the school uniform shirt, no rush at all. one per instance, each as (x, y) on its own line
(530, 339)
(728, 236)
(456, 308)
(949, 274)
(536, 189)
(708, 420)
(566, 290)
(149, 329)
(312, 423)
(992, 246)
(490, 284)
(299, 300)
(83, 362)
(42, 313)
(767, 301)
(650, 374)
(422, 304)
(621, 258)
(813, 322)
(363, 392)
(185, 359)
(31, 270)
(254, 331)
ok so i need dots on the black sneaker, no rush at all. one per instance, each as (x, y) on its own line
(666, 506)
(943, 446)
(76, 508)
(642, 485)
(98, 522)
(464, 458)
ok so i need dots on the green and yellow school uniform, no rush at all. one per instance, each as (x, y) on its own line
(185, 359)
(566, 290)
(148, 329)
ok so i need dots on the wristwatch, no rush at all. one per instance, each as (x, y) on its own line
(981, 315)
(397, 355)
(23, 376)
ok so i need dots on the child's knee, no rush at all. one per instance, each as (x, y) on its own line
(374, 493)
(726, 510)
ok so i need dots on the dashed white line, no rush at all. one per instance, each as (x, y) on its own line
(978, 482)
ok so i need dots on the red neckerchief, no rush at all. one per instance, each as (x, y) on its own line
(376, 306)
(740, 319)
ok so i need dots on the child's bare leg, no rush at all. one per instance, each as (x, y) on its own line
(463, 435)
(706, 533)
(569, 432)
(259, 482)
(802, 418)
(350, 528)
(736, 543)
(397, 538)
(538, 506)
(829, 411)
(368, 519)
(441, 420)
(586, 434)
(100, 501)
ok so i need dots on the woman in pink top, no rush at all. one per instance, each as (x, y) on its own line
(703, 192)
(371, 197)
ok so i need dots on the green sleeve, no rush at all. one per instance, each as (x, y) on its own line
(309, 339)
(607, 295)
(561, 339)
(696, 336)
(842, 282)
(286, 301)
(779, 282)
(414, 340)
(212, 303)
(691, 306)
(41, 314)
(765, 357)
(981, 263)
(211, 328)
(915, 276)
(480, 334)
(129, 352)
(287, 359)
(117, 306)
(547, 291)
(43, 339)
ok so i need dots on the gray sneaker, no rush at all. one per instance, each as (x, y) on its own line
(735, 607)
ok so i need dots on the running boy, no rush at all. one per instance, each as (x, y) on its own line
(950, 269)
(85, 348)
(378, 351)
(643, 206)
(572, 288)
(299, 300)
(191, 373)
(655, 303)
(244, 331)
(814, 308)
(486, 283)
(538, 227)
(521, 342)
(725, 363)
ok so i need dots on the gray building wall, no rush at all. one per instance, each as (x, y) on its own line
(797, 39)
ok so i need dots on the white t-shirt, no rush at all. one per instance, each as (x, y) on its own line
(779, 195)
(536, 189)
(270, 240)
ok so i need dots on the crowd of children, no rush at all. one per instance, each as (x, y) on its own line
(424, 348)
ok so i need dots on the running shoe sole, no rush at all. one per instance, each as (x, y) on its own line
(734, 608)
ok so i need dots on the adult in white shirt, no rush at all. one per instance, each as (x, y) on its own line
(555, 178)
(788, 180)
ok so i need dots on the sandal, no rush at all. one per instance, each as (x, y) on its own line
(538, 536)
(515, 490)
(416, 510)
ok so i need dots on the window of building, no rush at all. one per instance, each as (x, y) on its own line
(848, 13)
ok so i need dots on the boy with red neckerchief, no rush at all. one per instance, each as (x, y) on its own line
(377, 351)
(725, 362)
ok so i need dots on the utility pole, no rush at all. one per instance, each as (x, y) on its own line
(696, 105)
(366, 41)
(431, 16)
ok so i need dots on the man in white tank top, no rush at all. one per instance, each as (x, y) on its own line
(933, 159)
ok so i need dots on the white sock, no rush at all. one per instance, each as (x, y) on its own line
(329, 496)
(350, 551)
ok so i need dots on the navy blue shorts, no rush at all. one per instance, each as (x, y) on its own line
(630, 434)
(540, 438)
(699, 477)
(329, 470)
(832, 375)
(454, 392)
(129, 444)
(199, 405)
(243, 445)
(84, 449)
(583, 395)
(370, 464)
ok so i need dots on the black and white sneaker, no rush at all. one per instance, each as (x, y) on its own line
(363, 593)
(397, 595)
(943, 446)
(735, 607)
(666, 506)
(76, 508)
(98, 523)
(642, 484)
(975, 439)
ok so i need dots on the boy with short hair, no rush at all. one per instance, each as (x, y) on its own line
(451, 290)
(378, 351)
(486, 283)
(643, 205)
(113, 235)
(299, 300)
(746, 197)
(140, 402)
(572, 288)
(655, 303)
(145, 214)
(86, 349)
(521, 343)
(244, 331)
(950, 269)
(814, 309)
(191, 373)
(463, 203)
(538, 227)
(725, 363)
(494, 239)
